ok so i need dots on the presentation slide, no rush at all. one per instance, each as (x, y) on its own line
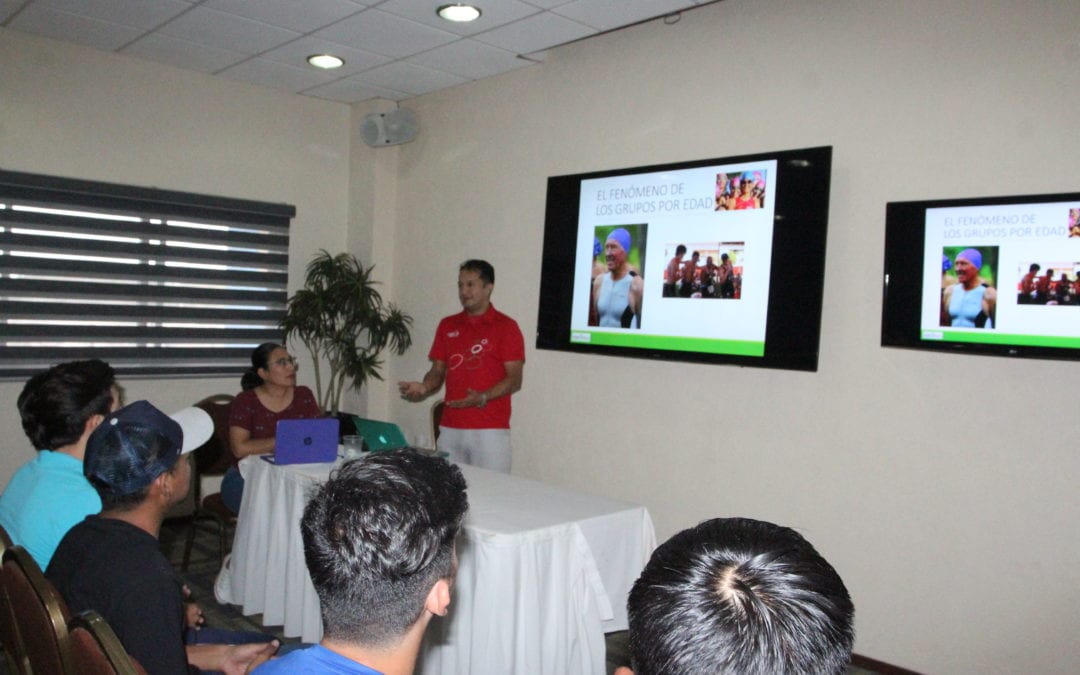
(1008, 274)
(676, 259)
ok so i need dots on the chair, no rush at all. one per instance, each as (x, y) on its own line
(436, 417)
(96, 650)
(10, 641)
(42, 615)
(212, 458)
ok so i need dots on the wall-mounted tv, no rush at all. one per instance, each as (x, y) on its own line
(714, 260)
(988, 275)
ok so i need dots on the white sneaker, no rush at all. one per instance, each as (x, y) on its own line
(223, 583)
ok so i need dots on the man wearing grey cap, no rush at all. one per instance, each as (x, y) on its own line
(112, 563)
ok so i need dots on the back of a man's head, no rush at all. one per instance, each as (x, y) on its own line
(55, 404)
(735, 595)
(377, 536)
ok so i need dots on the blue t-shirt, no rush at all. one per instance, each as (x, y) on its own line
(46, 497)
(312, 661)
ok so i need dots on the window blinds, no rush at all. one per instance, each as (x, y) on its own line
(155, 282)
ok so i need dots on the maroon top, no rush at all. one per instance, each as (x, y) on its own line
(248, 412)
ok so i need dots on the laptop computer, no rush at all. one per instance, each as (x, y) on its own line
(305, 441)
(379, 436)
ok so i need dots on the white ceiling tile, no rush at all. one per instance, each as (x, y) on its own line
(470, 59)
(409, 78)
(494, 13)
(138, 13)
(295, 53)
(608, 14)
(277, 75)
(228, 31)
(183, 54)
(384, 33)
(217, 35)
(547, 4)
(302, 17)
(82, 30)
(538, 32)
(351, 90)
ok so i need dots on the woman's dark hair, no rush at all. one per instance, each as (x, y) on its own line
(260, 358)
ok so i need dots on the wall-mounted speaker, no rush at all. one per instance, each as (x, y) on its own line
(389, 128)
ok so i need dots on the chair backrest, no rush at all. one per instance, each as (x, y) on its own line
(214, 456)
(10, 639)
(40, 612)
(95, 649)
(211, 458)
(436, 417)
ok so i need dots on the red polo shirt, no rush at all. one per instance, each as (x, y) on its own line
(475, 349)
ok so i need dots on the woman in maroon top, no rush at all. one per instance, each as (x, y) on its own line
(270, 394)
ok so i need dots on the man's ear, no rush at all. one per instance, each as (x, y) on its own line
(163, 484)
(438, 598)
(92, 422)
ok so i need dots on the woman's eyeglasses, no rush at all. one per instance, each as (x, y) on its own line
(281, 363)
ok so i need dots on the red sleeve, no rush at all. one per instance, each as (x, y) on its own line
(438, 345)
(513, 347)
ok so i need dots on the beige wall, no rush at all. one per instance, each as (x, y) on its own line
(943, 488)
(70, 111)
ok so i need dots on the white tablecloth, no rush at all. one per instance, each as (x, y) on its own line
(543, 572)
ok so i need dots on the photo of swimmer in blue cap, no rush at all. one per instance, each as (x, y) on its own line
(615, 300)
(970, 301)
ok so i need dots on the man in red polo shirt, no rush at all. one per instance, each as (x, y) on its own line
(480, 354)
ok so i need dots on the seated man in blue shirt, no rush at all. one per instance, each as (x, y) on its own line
(48, 495)
(379, 544)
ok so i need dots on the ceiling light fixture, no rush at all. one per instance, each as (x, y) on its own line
(325, 61)
(459, 12)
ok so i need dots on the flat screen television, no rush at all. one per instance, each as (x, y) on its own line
(711, 261)
(988, 275)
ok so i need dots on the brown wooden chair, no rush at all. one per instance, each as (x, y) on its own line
(10, 641)
(95, 649)
(212, 458)
(41, 614)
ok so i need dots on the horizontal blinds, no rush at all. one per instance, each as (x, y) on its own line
(154, 282)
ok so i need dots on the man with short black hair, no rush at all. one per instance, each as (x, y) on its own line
(112, 563)
(379, 541)
(48, 495)
(735, 595)
(480, 354)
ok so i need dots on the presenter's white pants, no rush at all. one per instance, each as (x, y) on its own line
(485, 448)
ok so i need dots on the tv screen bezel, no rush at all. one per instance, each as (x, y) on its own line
(905, 240)
(800, 228)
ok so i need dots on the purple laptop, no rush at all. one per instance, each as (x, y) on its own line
(305, 441)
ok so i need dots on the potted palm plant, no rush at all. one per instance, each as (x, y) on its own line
(342, 320)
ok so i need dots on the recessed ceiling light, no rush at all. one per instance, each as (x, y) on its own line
(326, 61)
(459, 12)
